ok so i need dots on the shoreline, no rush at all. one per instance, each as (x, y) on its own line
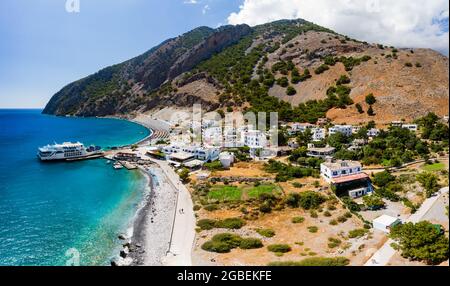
(148, 236)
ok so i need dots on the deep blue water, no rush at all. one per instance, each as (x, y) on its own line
(48, 208)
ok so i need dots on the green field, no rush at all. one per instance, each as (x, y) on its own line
(233, 193)
(254, 192)
(434, 167)
(225, 193)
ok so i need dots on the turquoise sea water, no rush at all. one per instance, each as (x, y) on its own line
(48, 208)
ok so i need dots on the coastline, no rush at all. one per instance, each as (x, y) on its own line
(148, 236)
(162, 231)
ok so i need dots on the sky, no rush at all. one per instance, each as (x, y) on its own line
(46, 44)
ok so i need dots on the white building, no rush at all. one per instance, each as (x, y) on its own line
(410, 127)
(318, 134)
(212, 136)
(347, 178)
(340, 168)
(299, 127)
(320, 152)
(226, 159)
(373, 132)
(254, 139)
(355, 129)
(344, 129)
(206, 154)
(396, 123)
(384, 223)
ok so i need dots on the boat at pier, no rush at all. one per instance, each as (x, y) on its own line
(69, 152)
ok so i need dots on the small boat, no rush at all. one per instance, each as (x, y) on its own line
(117, 166)
(108, 162)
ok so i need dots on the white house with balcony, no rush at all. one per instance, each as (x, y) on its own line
(347, 178)
(373, 132)
(347, 130)
(254, 139)
(318, 134)
(410, 127)
(299, 127)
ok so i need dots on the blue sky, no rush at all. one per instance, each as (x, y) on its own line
(43, 47)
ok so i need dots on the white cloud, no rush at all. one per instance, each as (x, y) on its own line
(205, 9)
(402, 23)
(190, 2)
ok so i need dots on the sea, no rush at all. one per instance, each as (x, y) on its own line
(64, 213)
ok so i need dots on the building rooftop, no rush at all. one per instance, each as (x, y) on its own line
(339, 164)
(322, 150)
(181, 156)
(350, 178)
(194, 163)
(386, 220)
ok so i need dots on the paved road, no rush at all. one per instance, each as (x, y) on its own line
(386, 252)
(180, 250)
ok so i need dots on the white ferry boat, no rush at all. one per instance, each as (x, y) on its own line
(67, 151)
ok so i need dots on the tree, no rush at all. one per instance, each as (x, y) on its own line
(184, 175)
(290, 91)
(343, 79)
(421, 241)
(429, 182)
(359, 108)
(283, 81)
(373, 202)
(383, 178)
(370, 99)
(370, 111)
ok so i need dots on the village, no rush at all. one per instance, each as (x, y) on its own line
(242, 185)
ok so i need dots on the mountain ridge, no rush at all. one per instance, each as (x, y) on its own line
(254, 68)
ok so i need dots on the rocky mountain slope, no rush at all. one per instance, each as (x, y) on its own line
(299, 69)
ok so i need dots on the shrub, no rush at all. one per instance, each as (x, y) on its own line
(333, 242)
(370, 111)
(214, 246)
(250, 243)
(298, 219)
(310, 200)
(315, 261)
(327, 214)
(266, 232)
(211, 207)
(356, 233)
(341, 219)
(321, 69)
(409, 65)
(359, 108)
(418, 65)
(197, 207)
(333, 222)
(283, 82)
(313, 229)
(343, 79)
(206, 224)
(290, 90)
(279, 248)
(429, 182)
(230, 223)
(370, 99)
(313, 214)
(373, 202)
(383, 178)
